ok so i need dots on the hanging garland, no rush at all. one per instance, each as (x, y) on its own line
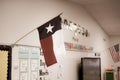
(78, 30)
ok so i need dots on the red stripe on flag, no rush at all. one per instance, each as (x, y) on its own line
(47, 46)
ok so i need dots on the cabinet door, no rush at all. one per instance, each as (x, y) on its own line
(91, 68)
(109, 75)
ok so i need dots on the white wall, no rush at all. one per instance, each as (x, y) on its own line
(114, 40)
(19, 17)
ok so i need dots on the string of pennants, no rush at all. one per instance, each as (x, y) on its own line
(78, 30)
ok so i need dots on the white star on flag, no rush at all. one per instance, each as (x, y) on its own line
(49, 28)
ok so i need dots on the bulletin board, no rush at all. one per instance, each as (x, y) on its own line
(5, 62)
(27, 63)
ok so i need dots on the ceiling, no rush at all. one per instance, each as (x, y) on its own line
(105, 12)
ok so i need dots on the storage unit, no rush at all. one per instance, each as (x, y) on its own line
(90, 69)
(109, 75)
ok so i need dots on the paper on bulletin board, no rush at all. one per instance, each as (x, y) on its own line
(23, 52)
(23, 55)
(23, 65)
(15, 70)
(23, 76)
(34, 75)
(34, 55)
(34, 64)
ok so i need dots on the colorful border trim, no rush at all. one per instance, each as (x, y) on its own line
(77, 47)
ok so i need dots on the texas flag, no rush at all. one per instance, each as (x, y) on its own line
(45, 34)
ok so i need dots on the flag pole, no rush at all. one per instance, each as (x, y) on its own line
(28, 34)
(23, 37)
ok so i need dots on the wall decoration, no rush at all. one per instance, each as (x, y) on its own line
(23, 55)
(43, 71)
(15, 70)
(26, 63)
(75, 39)
(23, 65)
(34, 75)
(5, 62)
(77, 47)
(34, 65)
(23, 76)
(42, 63)
(76, 28)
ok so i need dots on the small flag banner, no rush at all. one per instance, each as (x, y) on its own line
(115, 53)
(77, 47)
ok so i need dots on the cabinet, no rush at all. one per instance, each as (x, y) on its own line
(90, 69)
(109, 75)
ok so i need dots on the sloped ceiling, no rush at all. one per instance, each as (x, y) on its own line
(105, 12)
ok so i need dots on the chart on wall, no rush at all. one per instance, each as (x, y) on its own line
(27, 63)
(23, 61)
